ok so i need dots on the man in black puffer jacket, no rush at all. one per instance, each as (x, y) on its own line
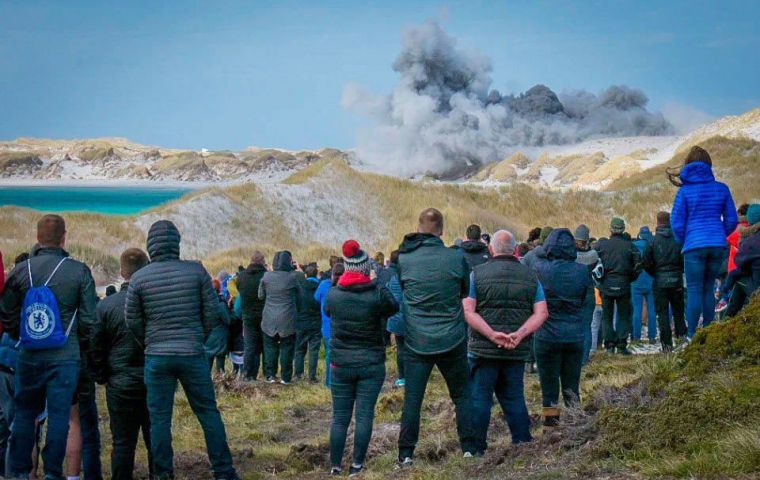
(248, 287)
(622, 265)
(171, 308)
(664, 262)
(118, 361)
(308, 324)
(475, 251)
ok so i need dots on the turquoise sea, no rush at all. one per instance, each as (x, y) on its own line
(108, 200)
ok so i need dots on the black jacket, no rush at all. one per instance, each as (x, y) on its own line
(748, 257)
(622, 264)
(118, 359)
(171, 303)
(248, 288)
(476, 253)
(74, 289)
(663, 259)
(309, 316)
(506, 292)
(357, 322)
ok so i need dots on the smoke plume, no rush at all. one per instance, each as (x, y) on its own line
(442, 117)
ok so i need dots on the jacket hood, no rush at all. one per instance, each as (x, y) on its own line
(413, 241)
(472, 246)
(283, 261)
(255, 267)
(163, 241)
(645, 234)
(560, 245)
(697, 172)
(749, 230)
(664, 230)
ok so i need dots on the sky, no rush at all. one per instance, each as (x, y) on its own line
(233, 74)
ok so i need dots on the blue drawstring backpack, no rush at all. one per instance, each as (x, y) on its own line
(41, 324)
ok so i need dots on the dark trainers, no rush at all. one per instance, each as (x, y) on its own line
(407, 462)
(335, 471)
(355, 470)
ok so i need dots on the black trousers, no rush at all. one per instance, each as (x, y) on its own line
(253, 344)
(559, 370)
(741, 292)
(279, 348)
(455, 369)
(665, 300)
(399, 355)
(616, 337)
(307, 341)
(128, 412)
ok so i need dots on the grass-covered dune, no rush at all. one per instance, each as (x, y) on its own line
(690, 415)
(315, 209)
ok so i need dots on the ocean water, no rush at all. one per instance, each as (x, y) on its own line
(107, 200)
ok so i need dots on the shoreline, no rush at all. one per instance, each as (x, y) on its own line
(119, 183)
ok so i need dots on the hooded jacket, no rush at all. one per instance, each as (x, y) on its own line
(279, 290)
(248, 290)
(703, 213)
(622, 264)
(568, 289)
(748, 257)
(74, 289)
(117, 358)
(434, 279)
(476, 253)
(357, 316)
(171, 303)
(663, 259)
(733, 242)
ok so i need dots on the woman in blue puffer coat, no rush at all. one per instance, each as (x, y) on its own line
(703, 216)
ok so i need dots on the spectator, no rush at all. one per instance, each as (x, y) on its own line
(47, 373)
(118, 362)
(279, 290)
(433, 279)
(171, 309)
(308, 324)
(504, 296)
(703, 216)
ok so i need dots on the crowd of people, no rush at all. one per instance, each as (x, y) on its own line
(484, 311)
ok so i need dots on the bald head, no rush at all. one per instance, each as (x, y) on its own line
(431, 221)
(502, 243)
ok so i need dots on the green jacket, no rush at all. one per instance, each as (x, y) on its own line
(434, 279)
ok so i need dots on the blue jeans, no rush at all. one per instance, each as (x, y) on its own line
(701, 267)
(39, 381)
(193, 372)
(362, 386)
(505, 379)
(638, 297)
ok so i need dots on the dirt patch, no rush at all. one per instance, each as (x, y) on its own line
(305, 457)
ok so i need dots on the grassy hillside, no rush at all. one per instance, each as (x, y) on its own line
(315, 209)
(684, 416)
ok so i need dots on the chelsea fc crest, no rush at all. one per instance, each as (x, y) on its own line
(39, 321)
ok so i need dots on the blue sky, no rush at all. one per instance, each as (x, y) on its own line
(234, 74)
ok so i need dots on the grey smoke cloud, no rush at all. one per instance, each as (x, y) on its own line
(443, 118)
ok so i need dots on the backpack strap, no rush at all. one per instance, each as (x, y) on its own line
(54, 270)
(29, 269)
(71, 324)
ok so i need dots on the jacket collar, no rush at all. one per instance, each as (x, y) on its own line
(255, 267)
(38, 250)
(503, 258)
(413, 241)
